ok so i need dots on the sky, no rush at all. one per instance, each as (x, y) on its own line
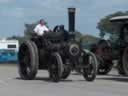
(15, 13)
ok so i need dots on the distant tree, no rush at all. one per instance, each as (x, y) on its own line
(89, 39)
(78, 35)
(105, 26)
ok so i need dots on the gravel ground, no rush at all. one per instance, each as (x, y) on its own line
(75, 85)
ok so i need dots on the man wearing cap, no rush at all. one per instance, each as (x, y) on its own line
(40, 29)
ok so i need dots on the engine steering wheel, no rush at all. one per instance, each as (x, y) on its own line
(56, 28)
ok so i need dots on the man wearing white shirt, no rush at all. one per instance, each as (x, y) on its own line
(41, 28)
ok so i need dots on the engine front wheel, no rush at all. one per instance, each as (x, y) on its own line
(28, 60)
(105, 68)
(66, 72)
(90, 71)
(55, 67)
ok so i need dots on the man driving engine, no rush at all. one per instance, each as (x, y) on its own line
(41, 28)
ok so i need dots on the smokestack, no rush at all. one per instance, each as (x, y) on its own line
(71, 15)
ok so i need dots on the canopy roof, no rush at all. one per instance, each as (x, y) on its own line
(119, 19)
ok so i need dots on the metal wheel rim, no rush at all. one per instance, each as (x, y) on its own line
(25, 60)
(89, 71)
(125, 61)
(54, 67)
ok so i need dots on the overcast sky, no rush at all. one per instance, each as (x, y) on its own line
(14, 13)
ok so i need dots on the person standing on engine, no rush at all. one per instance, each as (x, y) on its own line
(41, 28)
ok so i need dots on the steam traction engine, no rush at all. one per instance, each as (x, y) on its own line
(103, 51)
(58, 52)
(121, 26)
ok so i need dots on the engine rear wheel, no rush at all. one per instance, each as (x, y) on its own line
(28, 60)
(55, 67)
(90, 71)
(125, 61)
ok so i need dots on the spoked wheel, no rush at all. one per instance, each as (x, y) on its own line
(55, 67)
(125, 61)
(104, 57)
(66, 72)
(90, 71)
(105, 68)
(28, 60)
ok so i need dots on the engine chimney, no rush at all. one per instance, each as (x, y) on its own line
(71, 15)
